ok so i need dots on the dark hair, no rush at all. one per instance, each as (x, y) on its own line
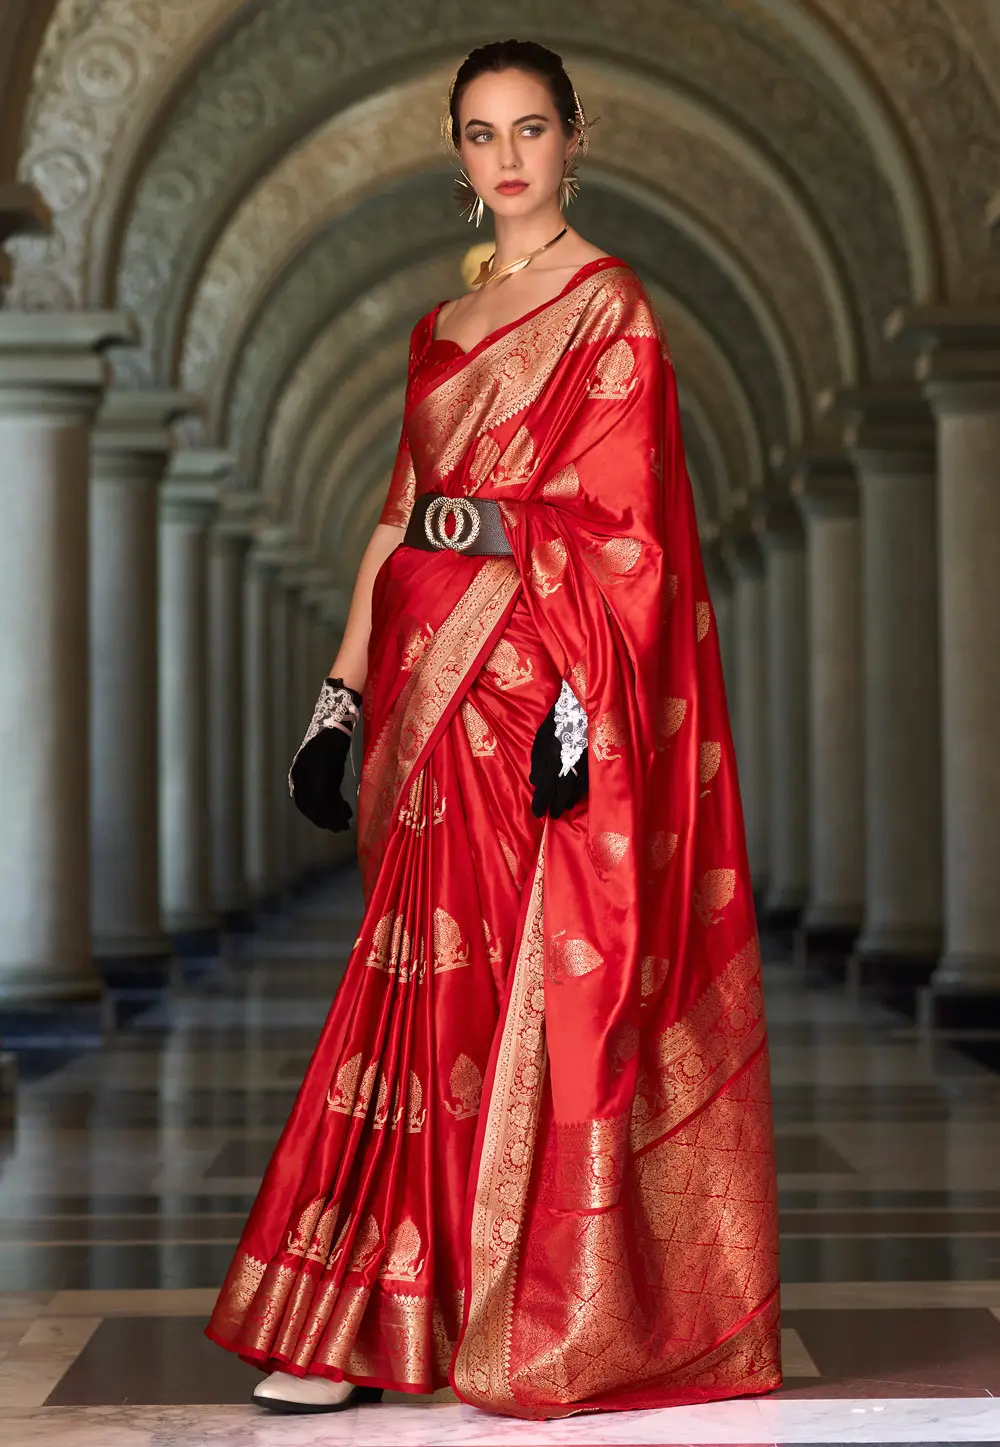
(524, 55)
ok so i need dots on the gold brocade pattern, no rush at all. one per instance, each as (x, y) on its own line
(715, 890)
(688, 1062)
(709, 760)
(518, 462)
(613, 375)
(413, 646)
(570, 957)
(609, 736)
(590, 1163)
(482, 1362)
(427, 693)
(402, 492)
(654, 972)
(242, 1282)
(608, 849)
(703, 617)
(662, 848)
(482, 739)
(466, 1086)
(507, 668)
(506, 377)
(450, 950)
(701, 1223)
(404, 1259)
(548, 563)
(673, 712)
(565, 484)
(610, 562)
(341, 1098)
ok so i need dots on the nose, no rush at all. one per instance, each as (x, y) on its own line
(509, 158)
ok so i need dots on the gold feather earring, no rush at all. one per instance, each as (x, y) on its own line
(569, 186)
(470, 203)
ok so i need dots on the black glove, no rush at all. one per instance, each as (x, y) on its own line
(317, 772)
(560, 743)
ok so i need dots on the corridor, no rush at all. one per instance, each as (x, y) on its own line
(131, 1167)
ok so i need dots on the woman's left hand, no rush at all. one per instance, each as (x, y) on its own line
(559, 773)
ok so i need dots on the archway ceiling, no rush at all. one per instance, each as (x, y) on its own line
(209, 98)
(707, 174)
(242, 114)
(364, 249)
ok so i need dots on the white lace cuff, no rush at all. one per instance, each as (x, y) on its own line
(571, 728)
(335, 709)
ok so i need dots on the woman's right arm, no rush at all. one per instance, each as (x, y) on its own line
(351, 662)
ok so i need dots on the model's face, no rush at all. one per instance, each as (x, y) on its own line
(512, 139)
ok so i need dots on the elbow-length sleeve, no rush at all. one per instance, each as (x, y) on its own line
(403, 483)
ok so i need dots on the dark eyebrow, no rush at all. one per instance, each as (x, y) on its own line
(518, 122)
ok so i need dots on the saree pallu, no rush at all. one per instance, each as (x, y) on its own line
(532, 1155)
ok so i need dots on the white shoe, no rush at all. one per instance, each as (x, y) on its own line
(283, 1392)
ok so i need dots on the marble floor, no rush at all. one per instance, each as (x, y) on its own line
(130, 1168)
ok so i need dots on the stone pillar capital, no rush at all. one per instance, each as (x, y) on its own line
(189, 500)
(278, 547)
(50, 362)
(741, 541)
(132, 425)
(957, 353)
(825, 484)
(779, 520)
(239, 516)
(889, 425)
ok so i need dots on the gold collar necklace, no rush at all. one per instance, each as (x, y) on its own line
(487, 274)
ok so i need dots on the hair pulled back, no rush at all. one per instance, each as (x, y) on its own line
(524, 55)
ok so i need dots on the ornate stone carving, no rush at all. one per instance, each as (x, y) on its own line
(95, 75)
(103, 60)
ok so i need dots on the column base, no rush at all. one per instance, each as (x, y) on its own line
(28, 987)
(965, 992)
(196, 944)
(143, 973)
(131, 947)
(241, 921)
(832, 928)
(8, 1089)
(919, 943)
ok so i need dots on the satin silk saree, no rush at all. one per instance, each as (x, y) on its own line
(532, 1155)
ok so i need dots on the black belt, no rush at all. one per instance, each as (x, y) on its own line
(474, 523)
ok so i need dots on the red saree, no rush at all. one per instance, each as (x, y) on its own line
(532, 1154)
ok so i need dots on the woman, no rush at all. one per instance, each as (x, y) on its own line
(532, 1154)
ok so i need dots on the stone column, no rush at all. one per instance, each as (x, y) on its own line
(129, 455)
(720, 586)
(960, 368)
(783, 538)
(891, 436)
(750, 715)
(189, 503)
(260, 757)
(297, 714)
(827, 489)
(227, 725)
(51, 384)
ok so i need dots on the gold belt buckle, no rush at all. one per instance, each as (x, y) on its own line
(467, 523)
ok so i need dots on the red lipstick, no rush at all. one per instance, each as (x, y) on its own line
(511, 188)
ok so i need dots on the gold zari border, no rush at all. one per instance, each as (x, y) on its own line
(482, 1363)
(696, 1056)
